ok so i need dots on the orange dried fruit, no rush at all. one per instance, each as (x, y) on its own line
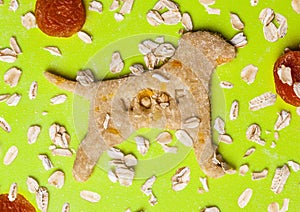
(60, 18)
(20, 204)
(287, 77)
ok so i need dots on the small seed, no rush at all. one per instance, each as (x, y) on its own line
(8, 55)
(164, 50)
(296, 88)
(10, 155)
(273, 207)
(184, 137)
(244, 198)
(147, 186)
(33, 133)
(32, 185)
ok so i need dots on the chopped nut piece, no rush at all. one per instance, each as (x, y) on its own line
(280, 177)
(85, 77)
(42, 198)
(57, 179)
(181, 178)
(184, 137)
(234, 110)
(259, 175)
(13, 100)
(10, 155)
(244, 198)
(13, 5)
(225, 139)
(285, 75)
(28, 20)
(296, 6)
(12, 76)
(243, 169)
(262, 101)
(219, 125)
(249, 152)
(248, 73)
(58, 99)
(46, 162)
(116, 64)
(4, 125)
(53, 50)
(33, 133)
(203, 181)
(225, 84)
(13, 192)
(66, 207)
(90, 196)
(295, 166)
(239, 40)
(32, 185)
(187, 22)
(95, 6)
(164, 138)
(142, 144)
(14, 45)
(85, 37)
(283, 120)
(236, 22)
(33, 90)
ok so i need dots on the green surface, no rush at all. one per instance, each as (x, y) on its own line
(106, 31)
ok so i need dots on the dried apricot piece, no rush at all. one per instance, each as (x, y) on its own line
(20, 204)
(287, 77)
(60, 18)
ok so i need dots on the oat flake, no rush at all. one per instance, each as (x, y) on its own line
(10, 155)
(244, 198)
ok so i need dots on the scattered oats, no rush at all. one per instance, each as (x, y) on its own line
(53, 50)
(273, 145)
(33, 90)
(253, 134)
(14, 45)
(112, 176)
(10, 155)
(259, 175)
(46, 162)
(273, 207)
(153, 200)
(58, 99)
(285, 205)
(65, 207)
(4, 97)
(13, 192)
(169, 149)
(116, 64)
(203, 181)
(266, 16)
(57, 179)
(125, 175)
(28, 20)
(236, 22)
(96, 6)
(248, 73)
(283, 120)
(127, 7)
(285, 75)
(13, 100)
(276, 135)
(211, 209)
(137, 69)
(59, 136)
(234, 110)
(115, 5)
(184, 137)
(4, 125)
(52, 147)
(164, 50)
(61, 152)
(160, 39)
(219, 125)
(243, 169)
(295, 166)
(225, 84)
(282, 28)
(147, 46)
(147, 186)
(207, 2)
(270, 32)
(280, 177)
(154, 18)
(130, 160)
(249, 152)
(244, 198)
(85, 77)
(186, 22)
(118, 17)
(42, 198)
(12, 76)
(227, 168)
(86, 38)
(262, 101)
(296, 5)
(90, 196)
(296, 88)
(115, 153)
(164, 138)
(253, 2)
(212, 11)
(142, 144)
(13, 5)
(7, 55)
(150, 61)
(106, 121)
(171, 17)
(181, 178)
(225, 139)
(33, 133)
(239, 40)
(166, 4)
(160, 77)
(32, 185)
(192, 122)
